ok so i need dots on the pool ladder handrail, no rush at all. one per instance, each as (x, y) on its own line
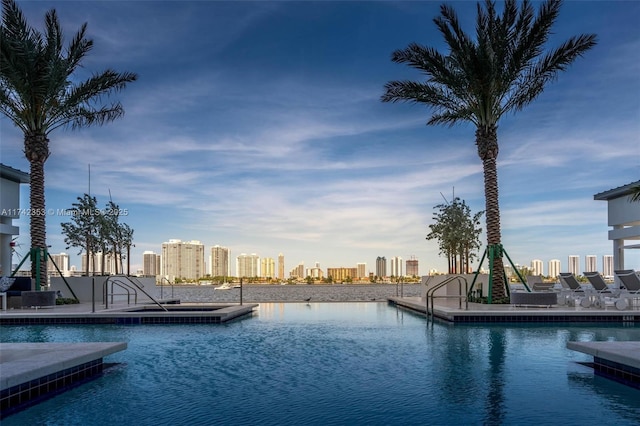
(430, 293)
(162, 286)
(134, 282)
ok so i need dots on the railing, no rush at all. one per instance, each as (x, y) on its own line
(123, 286)
(134, 285)
(162, 287)
(430, 293)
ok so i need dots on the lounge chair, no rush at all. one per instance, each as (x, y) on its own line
(631, 283)
(576, 290)
(535, 283)
(601, 287)
(599, 283)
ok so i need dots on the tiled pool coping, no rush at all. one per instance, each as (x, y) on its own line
(619, 361)
(129, 315)
(478, 314)
(32, 372)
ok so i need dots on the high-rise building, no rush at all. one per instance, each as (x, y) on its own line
(412, 267)
(99, 264)
(381, 266)
(62, 262)
(590, 263)
(554, 268)
(182, 260)
(362, 270)
(247, 265)
(267, 267)
(315, 272)
(220, 257)
(574, 265)
(298, 271)
(396, 267)
(607, 265)
(149, 264)
(536, 267)
(342, 274)
(281, 266)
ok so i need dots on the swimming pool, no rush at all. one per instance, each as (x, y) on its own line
(337, 363)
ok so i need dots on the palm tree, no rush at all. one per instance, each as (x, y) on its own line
(38, 94)
(504, 69)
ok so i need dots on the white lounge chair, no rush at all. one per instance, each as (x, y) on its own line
(576, 291)
(602, 289)
(631, 283)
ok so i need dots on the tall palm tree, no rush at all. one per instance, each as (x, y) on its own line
(479, 80)
(38, 94)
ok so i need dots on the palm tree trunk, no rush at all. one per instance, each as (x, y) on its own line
(36, 150)
(487, 142)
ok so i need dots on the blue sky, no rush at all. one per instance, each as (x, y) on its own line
(258, 126)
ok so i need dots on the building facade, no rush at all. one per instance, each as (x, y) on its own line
(280, 266)
(381, 266)
(342, 274)
(184, 260)
(554, 268)
(150, 262)
(607, 266)
(267, 267)
(574, 265)
(590, 263)
(396, 267)
(362, 270)
(220, 261)
(536, 267)
(248, 265)
(412, 267)
(62, 262)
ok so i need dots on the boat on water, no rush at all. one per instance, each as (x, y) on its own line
(224, 286)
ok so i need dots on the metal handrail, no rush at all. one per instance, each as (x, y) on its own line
(162, 286)
(430, 293)
(137, 284)
(123, 286)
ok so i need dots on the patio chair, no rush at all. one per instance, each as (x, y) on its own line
(535, 283)
(631, 283)
(576, 290)
(601, 287)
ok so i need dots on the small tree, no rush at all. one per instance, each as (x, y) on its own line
(84, 230)
(458, 234)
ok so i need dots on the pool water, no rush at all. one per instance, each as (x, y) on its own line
(337, 363)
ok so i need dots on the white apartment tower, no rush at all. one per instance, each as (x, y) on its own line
(267, 267)
(62, 262)
(150, 264)
(536, 267)
(396, 266)
(574, 265)
(220, 258)
(554, 268)
(607, 265)
(590, 263)
(362, 270)
(247, 265)
(182, 259)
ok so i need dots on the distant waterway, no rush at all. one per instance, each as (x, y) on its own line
(288, 293)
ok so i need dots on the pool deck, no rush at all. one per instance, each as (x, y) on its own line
(147, 313)
(455, 312)
(32, 372)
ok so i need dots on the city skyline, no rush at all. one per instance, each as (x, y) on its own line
(259, 126)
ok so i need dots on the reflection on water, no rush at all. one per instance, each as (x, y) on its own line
(338, 363)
